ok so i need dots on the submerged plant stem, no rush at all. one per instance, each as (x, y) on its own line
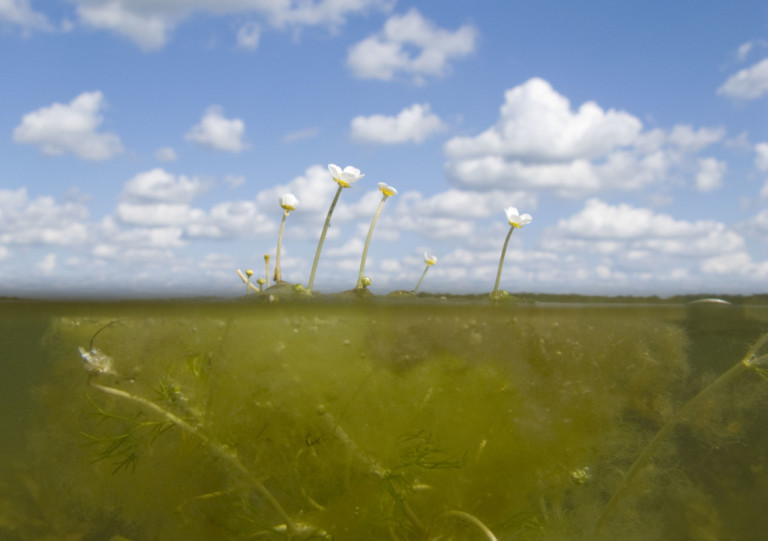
(368, 242)
(749, 362)
(322, 238)
(221, 451)
(463, 516)
(501, 261)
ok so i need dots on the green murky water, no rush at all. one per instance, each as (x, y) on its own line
(370, 420)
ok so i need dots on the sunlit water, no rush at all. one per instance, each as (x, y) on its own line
(418, 419)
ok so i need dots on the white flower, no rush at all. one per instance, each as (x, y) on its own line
(344, 177)
(387, 189)
(289, 202)
(515, 219)
(429, 259)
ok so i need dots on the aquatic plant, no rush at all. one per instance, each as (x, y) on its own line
(750, 362)
(97, 363)
(288, 203)
(429, 260)
(516, 221)
(386, 192)
(344, 178)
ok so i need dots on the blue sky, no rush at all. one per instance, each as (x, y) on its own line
(146, 143)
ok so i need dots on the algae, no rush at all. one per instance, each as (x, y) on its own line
(384, 421)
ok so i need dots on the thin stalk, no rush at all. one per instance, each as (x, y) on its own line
(501, 261)
(278, 271)
(750, 361)
(368, 242)
(463, 516)
(322, 239)
(221, 451)
(266, 264)
(423, 274)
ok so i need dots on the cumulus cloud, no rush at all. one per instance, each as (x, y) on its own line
(749, 83)
(412, 124)
(412, 45)
(41, 220)
(625, 229)
(71, 127)
(158, 185)
(218, 133)
(710, 175)
(20, 13)
(148, 24)
(690, 140)
(537, 123)
(541, 143)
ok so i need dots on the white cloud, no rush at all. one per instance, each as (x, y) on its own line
(148, 23)
(248, 36)
(536, 123)
(622, 229)
(710, 175)
(41, 220)
(412, 124)
(158, 214)
(20, 13)
(62, 128)
(166, 154)
(412, 45)
(690, 140)
(541, 143)
(761, 156)
(218, 133)
(749, 83)
(160, 186)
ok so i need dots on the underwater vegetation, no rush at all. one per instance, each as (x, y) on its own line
(393, 421)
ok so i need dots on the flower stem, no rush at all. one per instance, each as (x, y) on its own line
(278, 272)
(423, 274)
(368, 242)
(501, 261)
(750, 361)
(322, 239)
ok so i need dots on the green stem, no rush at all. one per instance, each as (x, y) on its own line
(368, 242)
(501, 261)
(322, 239)
(423, 274)
(750, 361)
(278, 272)
(221, 451)
(463, 516)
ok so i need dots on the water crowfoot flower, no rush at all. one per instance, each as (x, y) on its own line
(516, 221)
(249, 273)
(429, 260)
(386, 191)
(344, 178)
(246, 279)
(288, 202)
